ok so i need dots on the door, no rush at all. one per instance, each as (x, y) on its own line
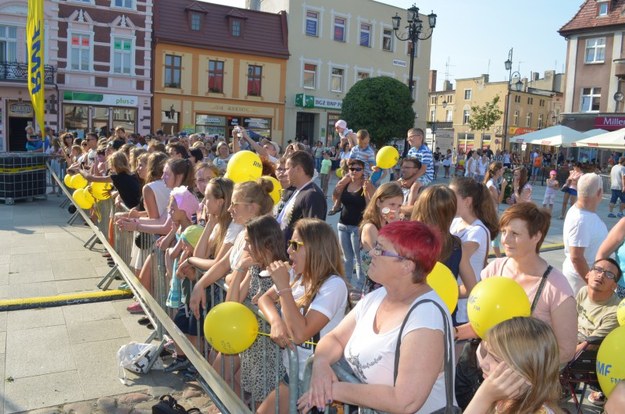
(305, 127)
(17, 133)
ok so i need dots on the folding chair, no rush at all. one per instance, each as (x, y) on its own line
(581, 371)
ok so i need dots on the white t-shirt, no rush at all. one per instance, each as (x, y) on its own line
(582, 228)
(371, 355)
(478, 233)
(331, 301)
(237, 248)
(616, 177)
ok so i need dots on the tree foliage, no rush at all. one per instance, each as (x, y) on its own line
(484, 117)
(381, 105)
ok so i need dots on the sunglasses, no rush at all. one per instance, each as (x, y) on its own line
(294, 244)
(605, 273)
(357, 169)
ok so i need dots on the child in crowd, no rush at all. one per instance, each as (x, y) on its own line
(552, 189)
(324, 173)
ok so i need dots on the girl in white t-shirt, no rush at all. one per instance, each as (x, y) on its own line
(476, 224)
(313, 301)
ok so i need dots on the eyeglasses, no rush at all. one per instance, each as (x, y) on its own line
(379, 251)
(604, 272)
(294, 244)
(356, 169)
(234, 204)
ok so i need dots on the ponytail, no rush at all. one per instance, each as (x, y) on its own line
(481, 202)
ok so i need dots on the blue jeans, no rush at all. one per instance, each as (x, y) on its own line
(350, 244)
(318, 164)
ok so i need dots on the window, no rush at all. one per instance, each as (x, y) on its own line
(363, 75)
(517, 99)
(466, 115)
(541, 102)
(449, 115)
(236, 28)
(540, 121)
(8, 43)
(312, 23)
(603, 8)
(336, 80)
(310, 76)
(122, 56)
(215, 76)
(528, 120)
(196, 20)
(433, 100)
(515, 118)
(595, 50)
(530, 100)
(449, 99)
(432, 115)
(387, 40)
(365, 34)
(591, 97)
(173, 68)
(127, 4)
(254, 80)
(339, 29)
(80, 52)
(467, 94)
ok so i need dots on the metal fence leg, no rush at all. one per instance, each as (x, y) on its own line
(73, 218)
(91, 242)
(109, 277)
(65, 203)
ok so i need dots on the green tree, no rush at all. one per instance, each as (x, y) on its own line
(381, 105)
(484, 117)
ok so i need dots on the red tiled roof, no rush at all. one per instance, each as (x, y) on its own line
(586, 18)
(262, 34)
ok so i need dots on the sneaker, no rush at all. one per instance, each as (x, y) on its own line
(178, 365)
(597, 398)
(612, 215)
(135, 308)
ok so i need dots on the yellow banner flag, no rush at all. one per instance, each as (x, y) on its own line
(34, 44)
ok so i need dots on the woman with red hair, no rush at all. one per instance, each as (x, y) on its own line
(404, 254)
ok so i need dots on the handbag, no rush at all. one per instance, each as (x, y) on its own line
(143, 240)
(168, 405)
(449, 408)
(468, 372)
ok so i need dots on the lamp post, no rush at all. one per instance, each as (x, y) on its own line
(413, 32)
(517, 86)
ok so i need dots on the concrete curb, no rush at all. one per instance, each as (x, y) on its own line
(62, 300)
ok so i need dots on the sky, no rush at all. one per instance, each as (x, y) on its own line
(473, 37)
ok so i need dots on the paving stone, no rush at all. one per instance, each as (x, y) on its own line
(22, 320)
(42, 391)
(107, 404)
(3, 321)
(28, 290)
(29, 262)
(91, 331)
(133, 398)
(89, 312)
(34, 276)
(83, 407)
(77, 285)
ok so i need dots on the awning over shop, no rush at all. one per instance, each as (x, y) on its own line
(555, 136)
(609, 140)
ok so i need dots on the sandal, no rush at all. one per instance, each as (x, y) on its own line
(597, 398)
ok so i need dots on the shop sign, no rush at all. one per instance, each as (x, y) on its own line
(328, 103)
(520, 131)
(398, 62)
(303, 100)
(20, 108)
(210, 120)
(257, 123)
(610, 122)
(100, 99)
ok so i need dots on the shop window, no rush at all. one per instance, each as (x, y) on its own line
(254, 80)
(216, 76)
(173, 69)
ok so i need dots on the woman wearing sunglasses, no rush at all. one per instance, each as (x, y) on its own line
(519, 359)
(312, 300)
(354, 196)
(405, 253)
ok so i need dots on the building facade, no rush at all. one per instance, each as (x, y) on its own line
(104, 65)
(16, 110)
(216, 67)
(335, 44)
(594, 93)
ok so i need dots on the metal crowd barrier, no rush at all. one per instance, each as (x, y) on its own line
(221, 391)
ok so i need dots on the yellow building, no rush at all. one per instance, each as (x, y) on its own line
(216, 67)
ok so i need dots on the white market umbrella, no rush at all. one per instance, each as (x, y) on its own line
(608, 140)
(555, 136)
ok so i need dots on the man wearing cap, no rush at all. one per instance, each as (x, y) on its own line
(420, 151)
(341, 128)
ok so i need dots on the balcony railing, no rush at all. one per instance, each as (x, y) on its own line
(18, 72)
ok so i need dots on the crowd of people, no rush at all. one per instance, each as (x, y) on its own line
(348, 293)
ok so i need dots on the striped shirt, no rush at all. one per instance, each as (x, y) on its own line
(424, 155)
(367, 156)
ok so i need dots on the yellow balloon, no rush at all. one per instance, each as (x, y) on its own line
(495, 300)
(610, 361)
(83, 199)
(78, 181)
(339, 172)
(244, 166)
(387, 157)
(277, 189)
(67, 180)
(230, 327)
(100, 191)
(444, 284)
(620, 313)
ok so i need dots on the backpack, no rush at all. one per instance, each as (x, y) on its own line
(138, 358)
(168, 405)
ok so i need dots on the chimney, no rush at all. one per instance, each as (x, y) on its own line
(535, 76)
(485, 78)
(432, 81)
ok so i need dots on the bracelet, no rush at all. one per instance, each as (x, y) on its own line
(281, 291)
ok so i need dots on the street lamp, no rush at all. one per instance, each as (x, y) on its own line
(413, 34)
(518, 85)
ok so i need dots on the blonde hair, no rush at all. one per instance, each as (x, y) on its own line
(323, 257)
(529, 347)
(256, 192)
(372, 213)
(118, 162)
(220, 188)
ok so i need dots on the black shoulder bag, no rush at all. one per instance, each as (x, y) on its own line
(468, 372)
(449, 408)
